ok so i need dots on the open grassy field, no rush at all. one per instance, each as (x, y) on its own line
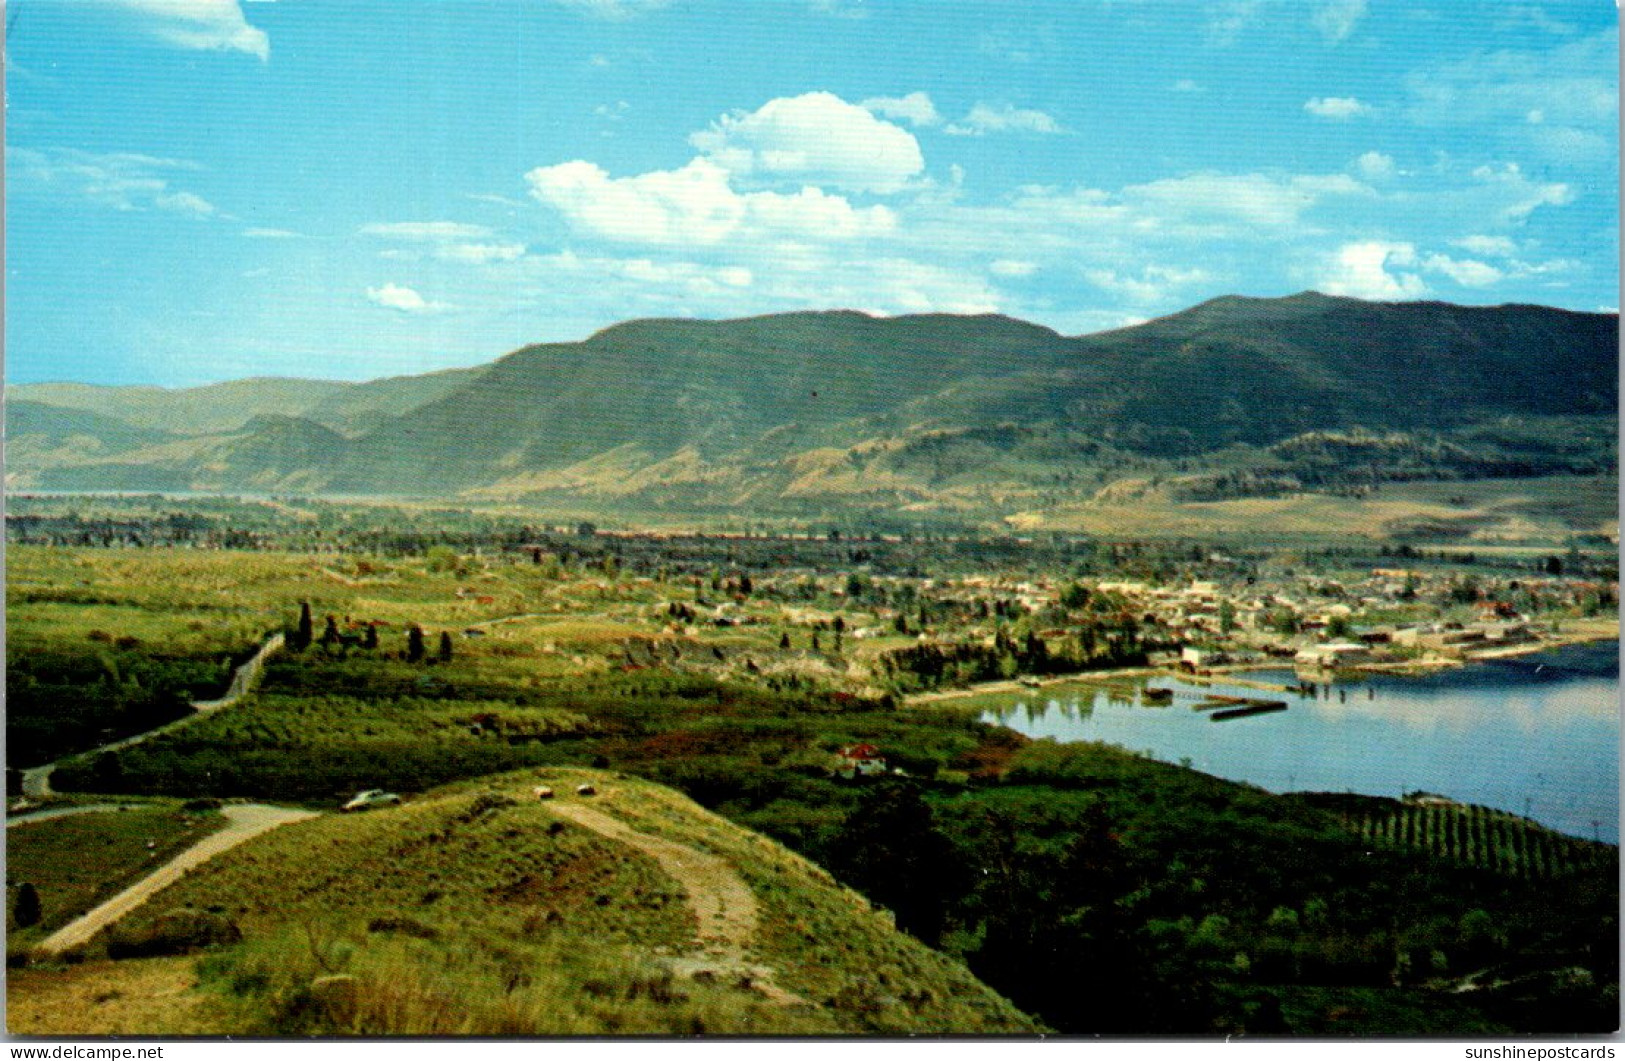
(76, 862)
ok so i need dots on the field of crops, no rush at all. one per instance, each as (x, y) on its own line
(1472, 835)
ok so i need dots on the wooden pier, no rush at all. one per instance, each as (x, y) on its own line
(1249, 707)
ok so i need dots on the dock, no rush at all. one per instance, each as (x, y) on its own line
(1246, 683)
(1214, 700)
(1249, 707)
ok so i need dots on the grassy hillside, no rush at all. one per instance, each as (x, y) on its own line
(477, 910)
(361, 407)
(202, 410)
(664, 385)
(801, 415)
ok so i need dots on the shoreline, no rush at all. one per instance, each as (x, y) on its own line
(1602, 631)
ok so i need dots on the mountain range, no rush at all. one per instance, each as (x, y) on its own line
(813, 412)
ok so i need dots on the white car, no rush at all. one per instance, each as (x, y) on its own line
(373, 797)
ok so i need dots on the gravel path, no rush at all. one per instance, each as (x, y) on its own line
(69, 812)
(720, 899)
(247, 821)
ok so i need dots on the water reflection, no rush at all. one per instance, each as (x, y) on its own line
(1536, 736)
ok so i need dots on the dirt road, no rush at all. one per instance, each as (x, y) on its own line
(37, 780)
(247, 821)
(68, 812)
(719, 898)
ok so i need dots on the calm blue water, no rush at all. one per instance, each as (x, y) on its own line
(1537, 735)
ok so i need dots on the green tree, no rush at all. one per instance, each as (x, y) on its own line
(306, 630)
(414, 643)
(445, 646)
(891, 850)
(27, 909)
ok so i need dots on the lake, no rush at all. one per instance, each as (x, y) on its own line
(1537, 735)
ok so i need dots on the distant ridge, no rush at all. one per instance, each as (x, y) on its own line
(839, 408)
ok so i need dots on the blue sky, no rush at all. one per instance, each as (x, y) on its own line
(209, 189)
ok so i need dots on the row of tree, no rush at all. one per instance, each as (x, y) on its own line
(302, 636)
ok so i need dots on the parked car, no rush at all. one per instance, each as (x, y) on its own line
(373, 797)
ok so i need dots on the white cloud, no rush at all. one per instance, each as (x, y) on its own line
(1024, 45)
(802, 276)
(986, 118)
(402, 299)
(696, 205)
(188, 203)
(1185, 84)
(1528, 17)
(499, 200)
(689, 205)
(903, 285)
(120, 180)
(1465, 271)
(1337, 108)
(1567, 145)
(481, 253)
(425, 231)
(614, 10)
(1497, 246)
(1256, 199)
(1012, 268)
(1371, 269)
(1153, 284)
(812, 213)
(613, 112)
(840, 9)
(451, 241)
(816, 138)
(1572, 88)
(201, 25)
(1522, 196)
(915, 108)
(1336, 19)
(1569, 85)
(270, 233)
(1375, 166)
(1227, 20)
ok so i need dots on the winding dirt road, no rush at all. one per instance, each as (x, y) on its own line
(247, 821)
(68, 812)
(718, 896)
(37, 780)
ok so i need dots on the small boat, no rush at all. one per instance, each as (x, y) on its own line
(1158, 696)
(1029, 681)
